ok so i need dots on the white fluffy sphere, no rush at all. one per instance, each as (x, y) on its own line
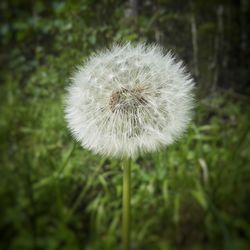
(129, 99)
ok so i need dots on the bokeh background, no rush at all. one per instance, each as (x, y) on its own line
(194, 194)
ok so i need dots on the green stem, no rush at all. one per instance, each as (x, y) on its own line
(126, 204)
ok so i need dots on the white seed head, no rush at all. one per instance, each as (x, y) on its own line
(128, 100)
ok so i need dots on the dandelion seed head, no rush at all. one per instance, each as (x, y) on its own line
(129, 99)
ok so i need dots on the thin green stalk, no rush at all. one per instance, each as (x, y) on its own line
(126, 204)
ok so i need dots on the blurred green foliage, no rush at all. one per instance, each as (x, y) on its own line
(56, 195)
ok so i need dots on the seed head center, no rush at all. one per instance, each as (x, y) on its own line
(126, 99)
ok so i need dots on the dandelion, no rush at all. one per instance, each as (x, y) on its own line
(128, 100)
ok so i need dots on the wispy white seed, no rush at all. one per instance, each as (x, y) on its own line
(129, 99)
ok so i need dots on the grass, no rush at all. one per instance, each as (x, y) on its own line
(56, 195)
(193, 195)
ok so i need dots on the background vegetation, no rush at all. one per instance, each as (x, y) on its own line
(55, 195)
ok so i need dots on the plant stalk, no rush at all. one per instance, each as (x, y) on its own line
(126, 204)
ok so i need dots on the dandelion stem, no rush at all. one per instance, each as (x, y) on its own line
(126, 204)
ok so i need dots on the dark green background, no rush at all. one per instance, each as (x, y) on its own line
(193, 195)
